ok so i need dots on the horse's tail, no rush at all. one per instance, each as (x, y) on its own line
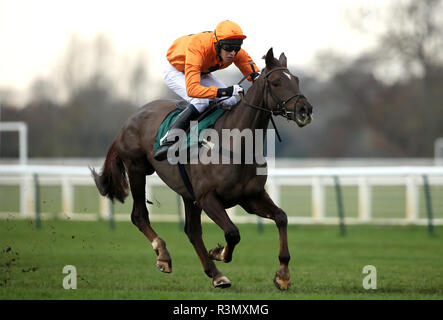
(112, 181)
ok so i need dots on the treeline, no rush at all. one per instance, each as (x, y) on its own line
(386, 103)
(82, 127)
(77, 111)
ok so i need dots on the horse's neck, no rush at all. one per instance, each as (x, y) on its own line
(244, 116)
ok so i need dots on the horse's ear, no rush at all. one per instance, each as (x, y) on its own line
(269, 58)
(283, 60)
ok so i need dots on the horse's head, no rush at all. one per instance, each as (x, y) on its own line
(282, 92)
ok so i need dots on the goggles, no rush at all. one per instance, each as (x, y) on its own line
(231, 47)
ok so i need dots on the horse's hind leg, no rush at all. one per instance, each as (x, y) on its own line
(263, 206)
(193, 230)
(137, 171)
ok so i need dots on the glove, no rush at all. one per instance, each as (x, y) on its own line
(234, 90)
(238, 90)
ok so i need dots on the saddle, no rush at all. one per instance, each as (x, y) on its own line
(205, 121)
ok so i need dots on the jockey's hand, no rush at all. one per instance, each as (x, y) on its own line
(234, 90)
(238, 90)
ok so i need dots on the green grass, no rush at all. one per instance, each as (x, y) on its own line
(120, 264)
(9, 198)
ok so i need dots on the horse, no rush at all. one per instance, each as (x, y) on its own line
(216, 187)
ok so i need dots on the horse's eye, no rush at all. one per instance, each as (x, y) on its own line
(275, 83)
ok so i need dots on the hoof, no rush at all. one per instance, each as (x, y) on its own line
(281, 283)
(164, 266)
(216, 253)
(221, 282)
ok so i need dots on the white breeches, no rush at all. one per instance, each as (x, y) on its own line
(175, 80)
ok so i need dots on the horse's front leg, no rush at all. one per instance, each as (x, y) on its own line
(215, 210)
(263, 206)
(193, 230)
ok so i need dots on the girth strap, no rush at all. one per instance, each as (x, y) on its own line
(186, 180)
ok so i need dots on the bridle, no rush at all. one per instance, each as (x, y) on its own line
(280, 108)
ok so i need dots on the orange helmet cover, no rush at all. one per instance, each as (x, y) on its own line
(228, 30)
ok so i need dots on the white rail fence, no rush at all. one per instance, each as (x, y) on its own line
(413, 178)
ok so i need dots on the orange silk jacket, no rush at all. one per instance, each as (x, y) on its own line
(195, 54)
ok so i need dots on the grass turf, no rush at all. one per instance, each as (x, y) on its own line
(120, 264)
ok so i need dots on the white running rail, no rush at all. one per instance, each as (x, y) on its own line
(364, 178)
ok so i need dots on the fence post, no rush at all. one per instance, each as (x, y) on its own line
(27, 197)
(428, 204)
(364, 199)
(107, 211)
(111, 214)
(318, 199)
(67, 197)
(105, 207)
(148, 192)
(37, 201)
(341, 214)
(274, 190)
(181, 213)
(23, 197)
(412, 199)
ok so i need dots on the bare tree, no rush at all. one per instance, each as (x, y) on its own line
(409, 36)
(408, 53)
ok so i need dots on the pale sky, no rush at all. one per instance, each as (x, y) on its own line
(34, 33)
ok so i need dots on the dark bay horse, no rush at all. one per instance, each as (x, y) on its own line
(216, 186)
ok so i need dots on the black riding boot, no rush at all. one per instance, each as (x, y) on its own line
(181, 122)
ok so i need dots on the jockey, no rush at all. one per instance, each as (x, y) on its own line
(191, 59)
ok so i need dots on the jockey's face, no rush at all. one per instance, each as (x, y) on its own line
(227, 56)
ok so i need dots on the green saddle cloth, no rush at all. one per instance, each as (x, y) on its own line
(205, 123)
